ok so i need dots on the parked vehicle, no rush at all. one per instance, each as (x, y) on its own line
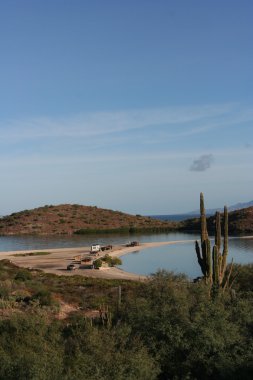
(71, 267)
(133, 244)
(95, 248)
(87, 263)
(106, 247)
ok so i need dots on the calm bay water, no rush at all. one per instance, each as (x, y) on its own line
(179, 258)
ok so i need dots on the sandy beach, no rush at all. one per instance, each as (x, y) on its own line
(58, 259)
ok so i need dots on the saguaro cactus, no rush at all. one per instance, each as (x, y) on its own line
(213, 266)
(204, 252)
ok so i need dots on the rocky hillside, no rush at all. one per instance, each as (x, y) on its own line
(239, 221)
(75, 219)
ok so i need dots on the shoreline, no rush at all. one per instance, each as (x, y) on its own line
(58, 259)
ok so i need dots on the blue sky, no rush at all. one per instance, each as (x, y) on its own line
(130, 105)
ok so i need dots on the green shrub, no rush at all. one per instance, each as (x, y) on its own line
(4, 291)
(44, 297)
(244, 277)
(97, 263)
(111, 261)
(23, 275)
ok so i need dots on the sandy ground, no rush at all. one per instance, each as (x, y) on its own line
(58, 259)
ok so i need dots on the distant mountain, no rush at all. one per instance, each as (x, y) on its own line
(239, 206)
(195, 213)
(211, 211)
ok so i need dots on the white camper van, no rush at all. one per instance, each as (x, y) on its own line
(95, 248)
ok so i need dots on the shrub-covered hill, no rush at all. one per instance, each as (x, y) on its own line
(239, 221)
(76, 219)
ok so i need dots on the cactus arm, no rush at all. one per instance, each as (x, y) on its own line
(204, 233)
(215, 265)
(209, 261)
(199, 257)
(225, 243)
(217, 231)
(204, 252)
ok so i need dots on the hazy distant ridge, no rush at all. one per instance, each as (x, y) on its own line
(237, 206)
(195, 214)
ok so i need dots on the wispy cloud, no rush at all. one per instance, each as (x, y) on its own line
(107, 123)
(107, 157)
(175, 133)
(202, 163)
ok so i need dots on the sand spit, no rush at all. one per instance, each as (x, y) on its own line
(59, 258)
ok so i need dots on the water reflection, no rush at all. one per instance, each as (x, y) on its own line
(245, 244)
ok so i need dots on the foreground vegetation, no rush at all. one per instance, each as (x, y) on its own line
(164, 328)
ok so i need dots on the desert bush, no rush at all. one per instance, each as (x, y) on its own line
(23, 275)
(97, 263)
(44, 297)
(112, 261)
(244, 277)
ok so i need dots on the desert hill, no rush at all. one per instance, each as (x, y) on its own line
(239, 221)
(70, 219)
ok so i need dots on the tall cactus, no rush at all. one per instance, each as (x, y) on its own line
(213, 266)
(204, 254)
